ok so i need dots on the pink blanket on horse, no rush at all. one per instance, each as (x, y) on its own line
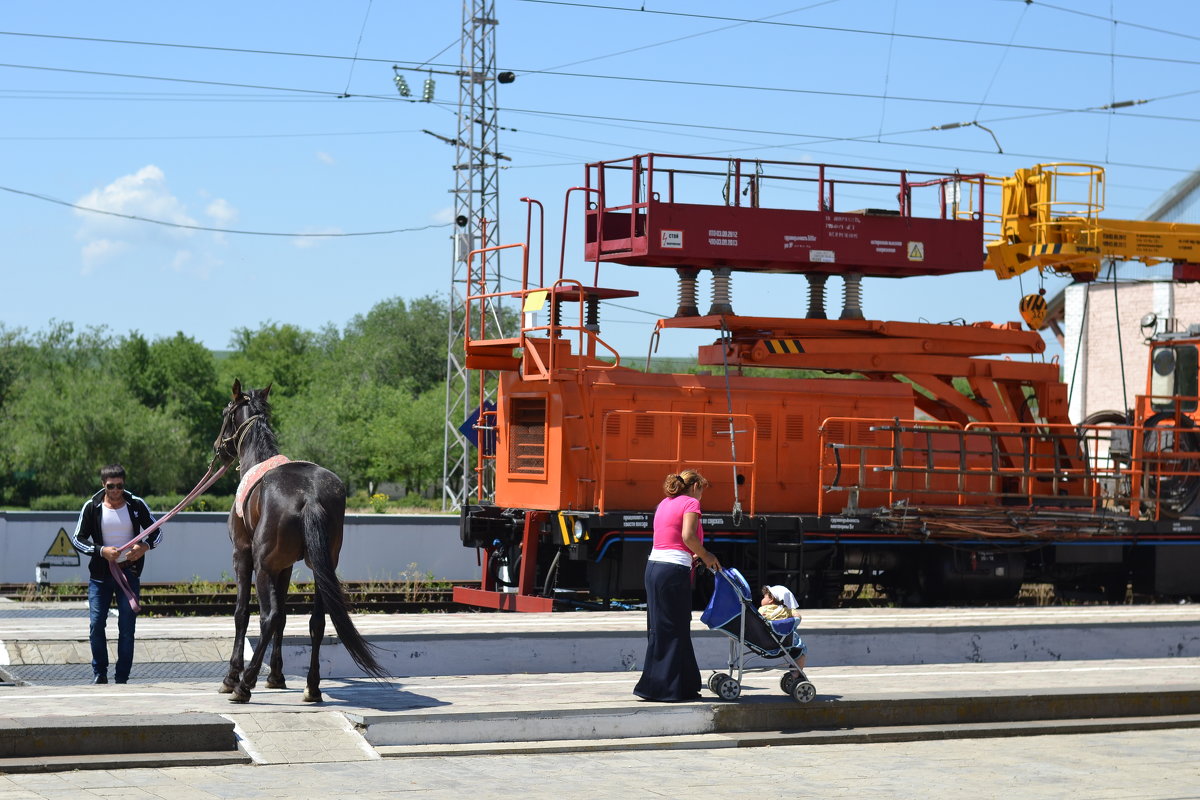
(251, 479)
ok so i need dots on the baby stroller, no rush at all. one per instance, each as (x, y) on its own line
(732, 611)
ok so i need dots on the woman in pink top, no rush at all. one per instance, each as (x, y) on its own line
(670, 672)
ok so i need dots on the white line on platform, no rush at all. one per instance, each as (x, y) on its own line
(75, 695)
(829, 673)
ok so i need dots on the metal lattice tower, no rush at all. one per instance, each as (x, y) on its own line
(476, 199)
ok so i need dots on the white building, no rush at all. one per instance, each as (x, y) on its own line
(1103, 325)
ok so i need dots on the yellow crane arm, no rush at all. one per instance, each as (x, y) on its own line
(1044, 227)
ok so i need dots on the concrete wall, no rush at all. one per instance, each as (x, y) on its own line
(196, 545)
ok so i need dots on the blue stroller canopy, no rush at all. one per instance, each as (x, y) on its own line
(727, 600)
(731, 594)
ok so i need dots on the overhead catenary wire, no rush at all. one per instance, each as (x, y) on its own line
(695, 35)
(767, 21)
(863, 31)
(169, 224)
(357, 47)
(1110, 18)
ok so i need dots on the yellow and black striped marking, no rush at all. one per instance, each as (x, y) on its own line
(781, 347)
(566, 527)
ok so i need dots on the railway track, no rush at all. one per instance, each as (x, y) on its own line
(217, 599)
(171, 600)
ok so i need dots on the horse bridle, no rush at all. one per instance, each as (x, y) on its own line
(238, 434)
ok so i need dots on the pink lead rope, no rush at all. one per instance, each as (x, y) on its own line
(118, 574)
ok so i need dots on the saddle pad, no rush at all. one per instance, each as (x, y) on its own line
(251, 479)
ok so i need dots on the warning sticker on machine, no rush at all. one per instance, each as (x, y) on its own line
(672, 239)
(821, 256)
(916, 251)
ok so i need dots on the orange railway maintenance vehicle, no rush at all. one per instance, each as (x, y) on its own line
(934, 461)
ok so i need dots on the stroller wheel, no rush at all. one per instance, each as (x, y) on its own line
(803, 692)
(788, 682)
(728, 688)
(714, 681)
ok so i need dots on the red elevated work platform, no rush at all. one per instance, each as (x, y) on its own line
(774, 216)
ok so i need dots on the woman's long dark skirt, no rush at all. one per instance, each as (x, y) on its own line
(669, 673)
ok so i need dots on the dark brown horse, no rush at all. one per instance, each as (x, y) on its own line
(294, 512)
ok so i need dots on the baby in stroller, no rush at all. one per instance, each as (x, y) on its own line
(733, 611)
(778, 603)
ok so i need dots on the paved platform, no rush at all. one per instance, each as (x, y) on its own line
(463, 711)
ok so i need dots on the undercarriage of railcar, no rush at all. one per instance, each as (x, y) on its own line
(883, 554)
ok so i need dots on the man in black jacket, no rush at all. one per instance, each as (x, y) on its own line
(110, 519)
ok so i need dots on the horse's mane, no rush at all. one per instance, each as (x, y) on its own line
(260, 442)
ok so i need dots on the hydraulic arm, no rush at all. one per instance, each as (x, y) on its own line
(1050, 219)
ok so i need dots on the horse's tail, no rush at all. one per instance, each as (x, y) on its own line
(316, 539)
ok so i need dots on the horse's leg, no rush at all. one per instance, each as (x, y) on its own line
(316, 632)
(241, 618)
(275, 679)
(269, 615)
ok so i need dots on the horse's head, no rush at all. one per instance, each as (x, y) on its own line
(243, 409)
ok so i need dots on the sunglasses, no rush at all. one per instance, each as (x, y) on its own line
(111, 486)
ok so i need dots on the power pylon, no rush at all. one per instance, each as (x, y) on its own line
(477, 219)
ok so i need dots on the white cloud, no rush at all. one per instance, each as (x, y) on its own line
(99, 252)
(444, 215)
(325, 158)
(181, 259)
(145, 195)
(142, 194)
(221, 211)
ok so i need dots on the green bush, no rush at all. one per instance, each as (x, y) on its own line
(57, 502)
(158, 503)
(205, 502)
(417, 502)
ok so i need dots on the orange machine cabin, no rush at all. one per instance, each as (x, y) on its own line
(606, 440)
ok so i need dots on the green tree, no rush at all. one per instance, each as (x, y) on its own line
(177, 374)
(376, 390)
(71, 412)
(407, 443)
(399, 344)
(276, 354)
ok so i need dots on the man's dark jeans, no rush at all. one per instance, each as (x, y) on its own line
(100, 596)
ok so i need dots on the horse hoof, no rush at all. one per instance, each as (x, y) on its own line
(239, 696)
(225, 688)
(276, 684)
(311, 696)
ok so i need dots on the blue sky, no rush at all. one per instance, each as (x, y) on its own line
(268, 146)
